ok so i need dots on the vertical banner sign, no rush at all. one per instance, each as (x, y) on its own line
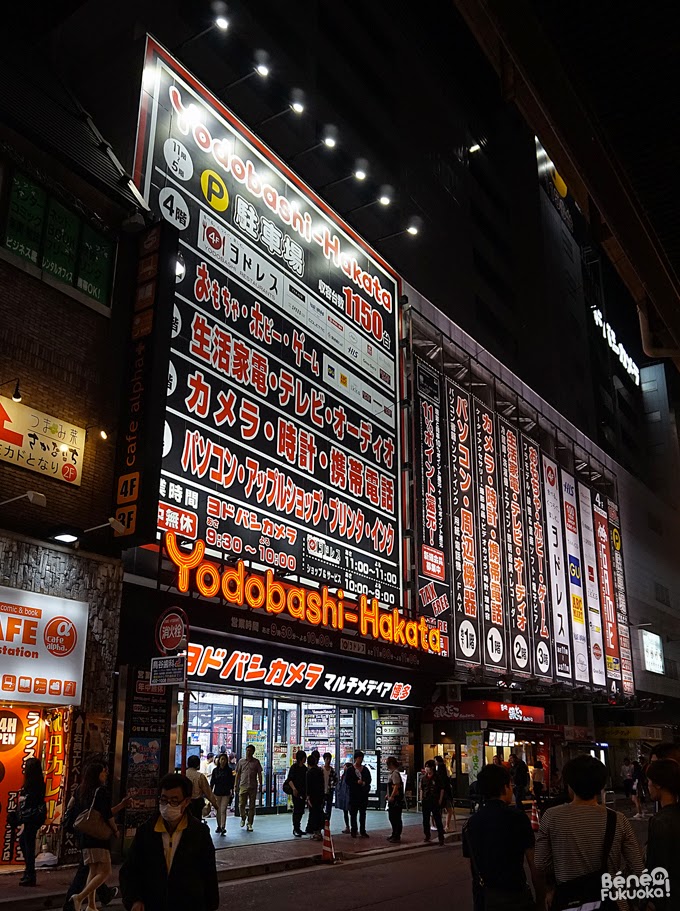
(579, 634)
(607, 596)
(20, 739)
(467, 650)
(627, 678)
(558, 584)
(434, 591)
(57, 731)
(537, 562)
(492, 595)
(280, 443)
(592, 591)
(521, 646)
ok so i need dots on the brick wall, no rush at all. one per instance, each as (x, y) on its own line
(32, 566)
(61, 350)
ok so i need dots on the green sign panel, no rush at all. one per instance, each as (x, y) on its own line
(61, 242)
(25, 216)
(95, 265)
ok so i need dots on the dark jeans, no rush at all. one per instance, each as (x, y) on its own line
(328, 805)
(104, 892)
(345, 813)
(196, 808)
(27, 845)
(520, 794)
(355, 808)
(432, 808)
(315, 818)
(394, 814)
(538, 789)
(299, 804)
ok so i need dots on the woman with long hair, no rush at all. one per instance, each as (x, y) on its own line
(222, 786)
(92, 794)
(31, 816)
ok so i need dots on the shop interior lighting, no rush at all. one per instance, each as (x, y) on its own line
(33, 496)
(16, 395)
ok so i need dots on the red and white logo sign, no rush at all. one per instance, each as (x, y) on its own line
(60, 637)
(170, 630)
(551, 475)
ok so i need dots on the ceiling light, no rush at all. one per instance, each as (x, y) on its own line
(297, 101)
(16, 395)
(330, 136)
(385, 195)
(222, 23)
(474, 148)
(361, 168)
(415, 225)
(262, 63)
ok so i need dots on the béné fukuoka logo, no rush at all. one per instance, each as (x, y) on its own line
(648, 885)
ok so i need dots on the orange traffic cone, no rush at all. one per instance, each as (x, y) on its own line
(327, 852)
(535, 822)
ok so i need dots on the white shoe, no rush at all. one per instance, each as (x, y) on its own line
(243, 822)
(637, 816)
(249, 828)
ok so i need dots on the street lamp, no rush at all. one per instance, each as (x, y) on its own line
(16, 395)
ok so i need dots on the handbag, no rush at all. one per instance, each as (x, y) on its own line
(287, 787)
(91, 823)
(586, 890)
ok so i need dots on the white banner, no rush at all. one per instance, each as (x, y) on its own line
(42, 645)
(579, 636)
(597, 666)
(558, 578)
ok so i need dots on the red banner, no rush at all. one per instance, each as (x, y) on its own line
(20, 738)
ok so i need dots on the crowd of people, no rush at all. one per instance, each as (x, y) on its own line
(579, 843)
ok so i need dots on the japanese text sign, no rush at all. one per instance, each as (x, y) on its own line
(47, 445)
(575, 581)
(591, 587)
(281, 442)
(482, 710)
(627, 679)
(607, 594)
(558, 583)
(42, 644)
(20, 739)
(541, 620)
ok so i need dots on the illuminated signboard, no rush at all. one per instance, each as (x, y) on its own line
(627, 679)
(537, 569)
(281, 441)
(652, 650)
(607, 594)
(434, 591)
(265, 592)
(484, 711)
(579, 628)
(465, 549)
(560, 606)
(591, 588)
(609, 336)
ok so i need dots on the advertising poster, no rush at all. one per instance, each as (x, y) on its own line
(579, 629)
(474, 741)
(42, 647)
(627, 679)
(280, 443)
(143, 775)
(514, 553)
(537, 572)
(57, 731)
(489, 522)
(558, 582)
(434, 592)
(464, 546)
(607, 594)
(591, 587)
(20, 739)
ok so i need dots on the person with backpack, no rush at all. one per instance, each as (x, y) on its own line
(30, 815)
(580, 841)
(222, 786)
(395, 800)
(297, 788)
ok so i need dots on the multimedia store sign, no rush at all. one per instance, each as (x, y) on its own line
(280, 442)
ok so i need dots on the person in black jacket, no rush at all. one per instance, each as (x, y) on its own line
(222, 786)
(316, 788)
(297, 779)
(171, 863)
(359, 780)
(31, 816)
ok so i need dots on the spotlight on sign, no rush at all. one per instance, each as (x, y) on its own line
(262, 63)
(330, 136)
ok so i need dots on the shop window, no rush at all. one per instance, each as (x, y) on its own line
(347, 733)
(211, 722)
(319, 728)
(662, 594)
(286, 743)
(39, 229)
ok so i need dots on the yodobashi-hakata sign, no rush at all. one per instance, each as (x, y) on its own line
(591, 587)
(521, 646)
(541, 620)
(488, 517)
(558, 583)
(433, 574)
(627, 679)
(607, 594)
(579, 634)
(281, 443)
(465, 548)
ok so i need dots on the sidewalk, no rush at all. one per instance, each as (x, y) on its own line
(241, 854)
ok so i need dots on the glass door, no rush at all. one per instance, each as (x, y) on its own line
(285, 744)
(254, 728)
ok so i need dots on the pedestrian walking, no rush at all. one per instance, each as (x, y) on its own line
(499, 841)
(538, 780)
(330, 779)
(432, 798)
(96, 851)
(171, 863)
(297, 781)
(222, 786)
(638, 793)
(248, 783)
(315, 796)
(519, 772)
(579, 841)
(395, 800)
(30, 815)
(342, 797)
(627, 778)
(359, 780)
(208, 765)
(448, 795)
(200, 788)
(663, 838)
